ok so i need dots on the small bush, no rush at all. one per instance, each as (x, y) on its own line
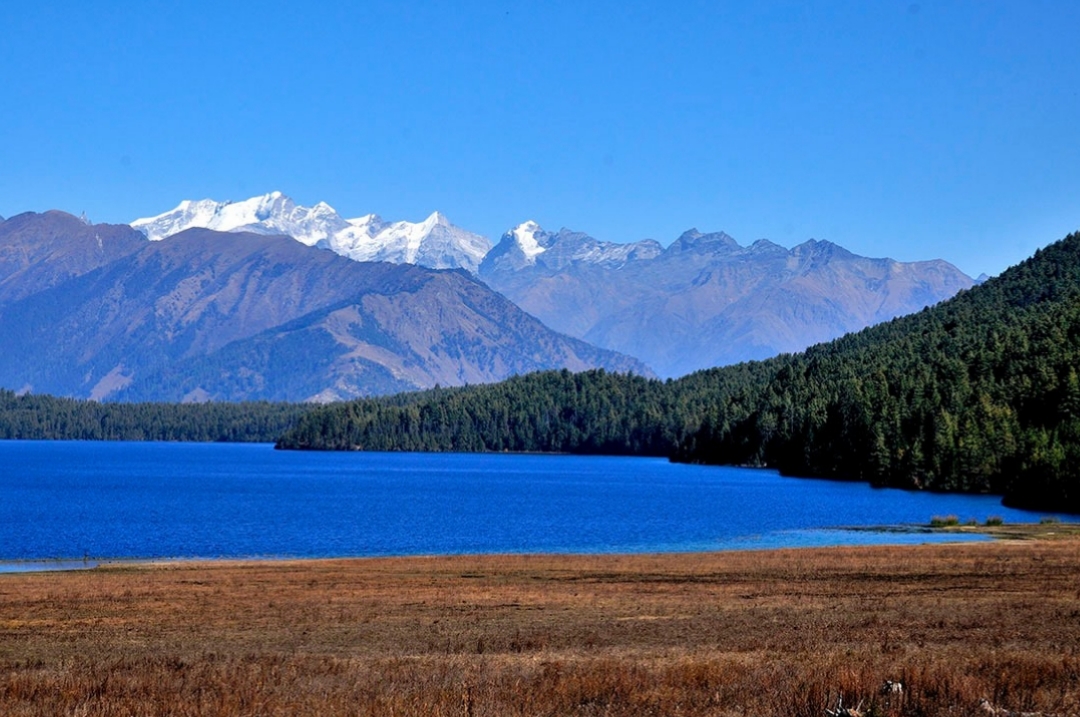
(944, 521)
(1049, 520)
(995, 520)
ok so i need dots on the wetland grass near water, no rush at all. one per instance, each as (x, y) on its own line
(740, 633)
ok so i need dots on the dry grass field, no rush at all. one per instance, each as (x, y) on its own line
(741, 633)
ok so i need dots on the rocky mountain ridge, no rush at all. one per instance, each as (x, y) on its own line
(703, 301)
(434, 243)
(98, 311)
(706, 300)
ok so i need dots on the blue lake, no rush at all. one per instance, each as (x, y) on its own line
(75, 500)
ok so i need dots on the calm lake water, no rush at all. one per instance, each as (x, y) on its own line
(175, 500)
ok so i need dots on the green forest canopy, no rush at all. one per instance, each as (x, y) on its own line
(34, 417)
(980, 393)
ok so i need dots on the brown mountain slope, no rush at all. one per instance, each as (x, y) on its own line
(428, 328)
(202, 315)
(39, 251)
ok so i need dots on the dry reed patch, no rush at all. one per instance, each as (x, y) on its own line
(731, 633)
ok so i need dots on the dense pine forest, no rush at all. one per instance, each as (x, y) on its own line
(552, 411)
(980, 393)
(33, 417)
(977, 394)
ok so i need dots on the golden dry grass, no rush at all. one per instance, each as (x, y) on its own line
(769, 633)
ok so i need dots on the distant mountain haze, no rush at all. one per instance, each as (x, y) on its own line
(212, 315)
(703, 301)
(706, 300)
(222, 304)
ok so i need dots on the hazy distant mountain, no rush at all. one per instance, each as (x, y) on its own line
(705, 300)
(210, 315)
(434, 243)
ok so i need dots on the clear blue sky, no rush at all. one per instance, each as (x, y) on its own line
(905, 129)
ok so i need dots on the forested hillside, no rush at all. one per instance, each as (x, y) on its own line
(33, 417)
(551, 411)
(980, 393)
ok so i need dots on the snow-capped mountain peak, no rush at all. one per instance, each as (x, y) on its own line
(525, 234)
(272, 213)
(434, 242)
(518, 248)
(368, 220)
(528, 246)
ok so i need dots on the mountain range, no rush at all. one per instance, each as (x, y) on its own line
(434, 242)
(98, 311)
(703, 301)
(266, 299)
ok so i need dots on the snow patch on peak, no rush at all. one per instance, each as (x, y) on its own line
(525, 235)
(527, 246)
(433, 220)
(370, 223)
(435, 242)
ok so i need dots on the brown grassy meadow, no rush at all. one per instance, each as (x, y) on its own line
(743, 633)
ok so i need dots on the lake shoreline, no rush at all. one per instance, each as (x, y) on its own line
(109, 501)
(965, 534)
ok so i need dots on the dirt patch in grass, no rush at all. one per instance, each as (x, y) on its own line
(763, 633)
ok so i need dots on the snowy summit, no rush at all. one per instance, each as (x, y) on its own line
(434, 242)
(528, 246)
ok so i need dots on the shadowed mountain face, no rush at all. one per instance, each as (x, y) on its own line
(39, 251)
(705, 300)
(98, 312)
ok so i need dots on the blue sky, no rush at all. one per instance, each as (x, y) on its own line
(907, 129)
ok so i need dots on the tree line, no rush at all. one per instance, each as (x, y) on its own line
(43, 417)
(980, 393)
